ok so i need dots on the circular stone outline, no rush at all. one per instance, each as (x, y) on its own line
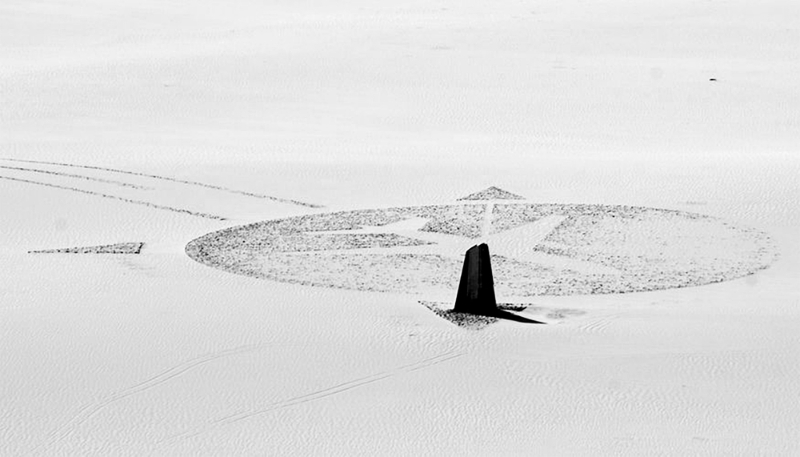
(302, 249)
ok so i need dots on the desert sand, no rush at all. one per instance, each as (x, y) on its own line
(129, 129)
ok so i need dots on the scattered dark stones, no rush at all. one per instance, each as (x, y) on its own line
(464, 320)
(119, 248)
(76, 176)
(459, 220)
(492, 193)
(167, 178)
(624, 248)
(122, 199)
(478, 322)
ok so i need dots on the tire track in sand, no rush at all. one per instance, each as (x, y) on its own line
(309, 397)
(89, 410)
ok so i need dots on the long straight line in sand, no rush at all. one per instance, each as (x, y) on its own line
(123, 199)
(88, 411)
(312, 396)
(167, 178)
(70, 175)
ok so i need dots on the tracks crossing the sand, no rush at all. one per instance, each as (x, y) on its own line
(122, 199)
(309, 397)
(140, 188)
(90, 410)
(164, 178)
(86, 412)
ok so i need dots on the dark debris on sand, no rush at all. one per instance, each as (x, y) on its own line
(119, 248)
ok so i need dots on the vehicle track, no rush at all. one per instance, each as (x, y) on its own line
(309, 397)
(89, 410)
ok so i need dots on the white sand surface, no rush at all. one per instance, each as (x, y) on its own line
(360, 105)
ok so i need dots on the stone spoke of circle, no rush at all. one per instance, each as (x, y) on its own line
(436, 243)
(118, 248)
(528, 235)
(520, 244)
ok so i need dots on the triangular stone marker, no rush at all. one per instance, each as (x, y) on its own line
(493, 193)
(119, 248)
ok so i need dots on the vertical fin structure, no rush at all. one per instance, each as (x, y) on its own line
(476, 289)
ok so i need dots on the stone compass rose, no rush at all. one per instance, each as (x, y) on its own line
(537, 248)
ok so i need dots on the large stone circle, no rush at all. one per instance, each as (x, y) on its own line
(594, 249)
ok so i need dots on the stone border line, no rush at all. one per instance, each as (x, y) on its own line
(123, 199)
(601, 238)
(166, 178)
(117, 248)
(70, 175)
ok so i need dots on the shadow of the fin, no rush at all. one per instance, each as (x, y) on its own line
(476, 321)
(500, 314)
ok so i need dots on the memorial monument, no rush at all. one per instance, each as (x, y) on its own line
(476, 289)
